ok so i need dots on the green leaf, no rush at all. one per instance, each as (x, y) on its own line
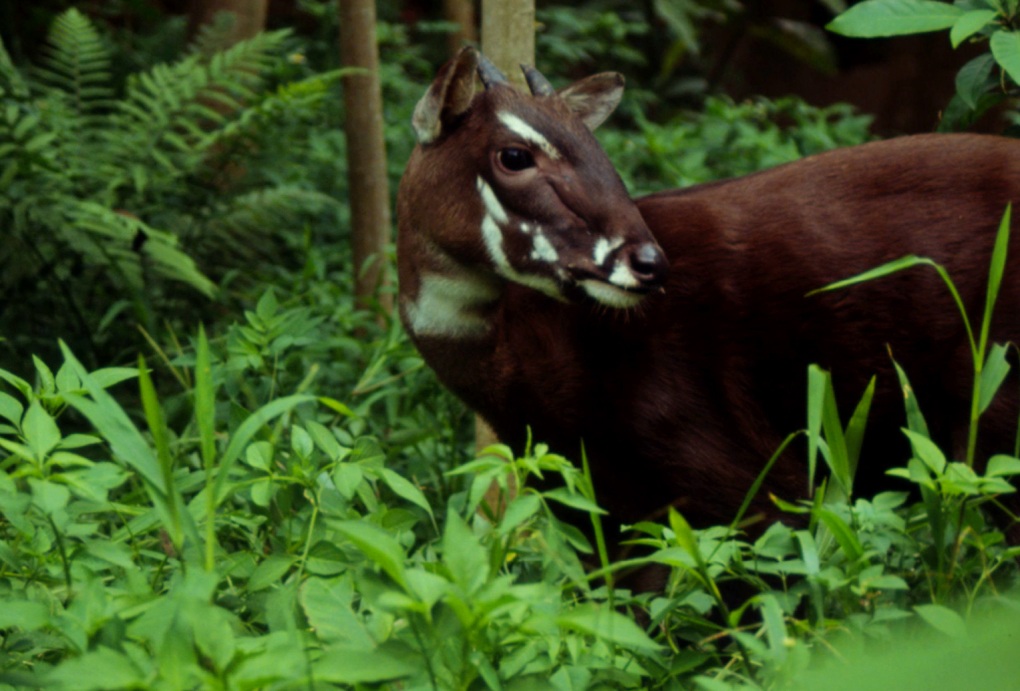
(249, 428)
(378, 545)
(48, 496)
(10, 408)
(520, 509)
(774, 624)
(818, 380)
(23, 614)
(887, 269)
(608, 625)
(915, 419)
(464, 555)
(808, 551)
(1002, 465)
(974, 79)
(844, 534)
(348, 478)
(876, 18)
(943, 619)
(349, 664)
(969, 24)
(994, 373)
(270, 571)
(927, 451)
(402, 487)
(575, 501)
(856, 427)
(259, 455)
(1005, 47)
(327, 606)
(114, 669)
(41, 432)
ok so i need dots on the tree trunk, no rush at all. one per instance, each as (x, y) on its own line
(249, 16)
(508, 40)
(368, 186)
(461, 13)
(508, 36)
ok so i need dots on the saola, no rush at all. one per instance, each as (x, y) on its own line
(672, 334)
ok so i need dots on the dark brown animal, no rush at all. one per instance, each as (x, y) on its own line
(672, 334)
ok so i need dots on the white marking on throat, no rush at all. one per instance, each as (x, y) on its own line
(528, 133)
(450, 306)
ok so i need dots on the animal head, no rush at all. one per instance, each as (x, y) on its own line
(516, 185)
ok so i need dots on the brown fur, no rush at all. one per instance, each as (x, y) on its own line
(683, 399)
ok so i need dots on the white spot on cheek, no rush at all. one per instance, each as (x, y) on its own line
(528, 134)
(542, 250)
(622, 277)
(602, 249)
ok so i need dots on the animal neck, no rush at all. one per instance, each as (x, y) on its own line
(443, 299)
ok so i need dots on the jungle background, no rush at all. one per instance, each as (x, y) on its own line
(221, 469)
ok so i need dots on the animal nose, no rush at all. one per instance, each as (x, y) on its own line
(648, 265)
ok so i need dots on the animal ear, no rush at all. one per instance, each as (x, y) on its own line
(594, 98)
(449, 96)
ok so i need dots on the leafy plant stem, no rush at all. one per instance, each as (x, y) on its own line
(64, 561)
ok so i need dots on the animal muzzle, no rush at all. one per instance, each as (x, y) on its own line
(622, 273)
(647, 265)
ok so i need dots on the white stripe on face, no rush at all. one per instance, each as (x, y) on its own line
(602, 249)
(492, 205)
(528, 134)
(622, 277)
(542, 249)
(492, 236)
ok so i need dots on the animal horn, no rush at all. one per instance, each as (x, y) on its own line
(538, 84)
(489, 73)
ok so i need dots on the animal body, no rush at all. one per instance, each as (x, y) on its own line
(672, 334)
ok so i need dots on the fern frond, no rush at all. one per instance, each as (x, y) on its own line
(174, 112)
(77, 62)
(129, 247)
(257, 223)
(11, 82)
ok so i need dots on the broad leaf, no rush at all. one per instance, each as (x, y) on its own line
(1005, 47)
(875, 18)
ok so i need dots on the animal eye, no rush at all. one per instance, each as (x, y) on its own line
(516, 159)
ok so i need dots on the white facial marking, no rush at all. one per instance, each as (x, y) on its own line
(603, 247)
(622, 277)
(445, 306)
(609, 295)
(492, 236)
(492, 204)
(542, 250)
(528, 133)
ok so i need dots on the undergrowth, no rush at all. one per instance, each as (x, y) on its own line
(291, 501)
(252, 531)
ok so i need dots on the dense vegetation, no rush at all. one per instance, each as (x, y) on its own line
(215, 472)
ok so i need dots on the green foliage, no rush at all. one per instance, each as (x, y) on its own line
(728, 139)
(109, 192)
(983, 82)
